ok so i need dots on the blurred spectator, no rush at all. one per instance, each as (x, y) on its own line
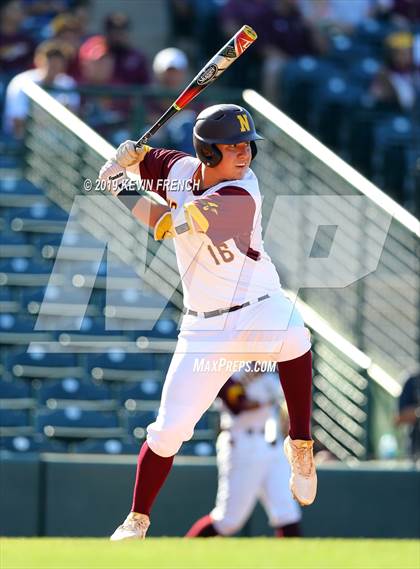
(253, 12)
(256, 13)
(288, 35)
(207, 33)
(68, 29)
(170, 68)
(398, 11)
(395, 86)
(336, 16)
(181, 16)
(16, 45)
(97, 63)
(409, 9)
(171, 71)
(283, 33)
(82, 12)
(409, 411)
(106, 113)
(42, 11)
(130, 64)
(50, 71)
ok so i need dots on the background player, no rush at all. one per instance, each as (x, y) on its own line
(250, 459)
(235, 308)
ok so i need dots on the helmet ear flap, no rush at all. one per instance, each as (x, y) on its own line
(209, 154)
(254, 149)
(216, 156)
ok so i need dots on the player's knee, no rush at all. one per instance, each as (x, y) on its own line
(167, 440)
(297, 343)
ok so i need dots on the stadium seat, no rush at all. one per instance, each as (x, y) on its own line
(145, 390)
(207, 426)
(21, 271)
(344, 50)
(75, 246)
(363, 71)
(16, 394)
(39, 218)
(117, 365)
(198, 448)
(137, 422)
(63, 300)
(333, 100)
(73, 422)
(126, 445)
(372, 33)
(393, 137)
(15, 245)
(165, 328)
(8, 302)
(43, 365)
(298, 82)
(91, 332)
(15, 329)
(13, 417)
(70, 391)
(131, 306)
(12, 184)
(28, 444)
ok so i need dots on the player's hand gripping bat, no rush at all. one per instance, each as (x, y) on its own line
(210, 72)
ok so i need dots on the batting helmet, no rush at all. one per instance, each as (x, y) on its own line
(222, 124)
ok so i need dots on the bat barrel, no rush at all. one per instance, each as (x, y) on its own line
(234, 48)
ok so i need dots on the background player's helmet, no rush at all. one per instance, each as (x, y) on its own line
(222, 124)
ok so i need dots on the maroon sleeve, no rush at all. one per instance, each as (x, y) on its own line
(233, 396)
(230, 212)
(156, 166)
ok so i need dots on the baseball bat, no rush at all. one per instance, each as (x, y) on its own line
(229, 53)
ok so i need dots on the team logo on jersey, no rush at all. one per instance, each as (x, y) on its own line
(208, 74)
(243, 123)
(210, 206)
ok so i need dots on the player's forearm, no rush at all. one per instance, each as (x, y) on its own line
(149, 211)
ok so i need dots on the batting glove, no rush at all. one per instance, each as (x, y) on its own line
(128, 154)
(114, 176)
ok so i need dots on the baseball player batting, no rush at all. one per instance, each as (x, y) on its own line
(235, 308)
(250, 460)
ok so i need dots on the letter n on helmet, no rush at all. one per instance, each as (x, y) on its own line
(222, 124)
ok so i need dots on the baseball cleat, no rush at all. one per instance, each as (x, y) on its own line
(135, 526)
(303, 480)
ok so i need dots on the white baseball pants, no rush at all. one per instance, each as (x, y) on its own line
(269, 330)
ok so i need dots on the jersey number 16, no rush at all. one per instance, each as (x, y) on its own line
(223, 253)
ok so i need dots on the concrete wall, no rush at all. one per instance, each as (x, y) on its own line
(65, 495)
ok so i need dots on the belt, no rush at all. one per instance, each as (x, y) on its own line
(249, 431)
(220, 311)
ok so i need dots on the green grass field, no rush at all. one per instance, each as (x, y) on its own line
(216, 553)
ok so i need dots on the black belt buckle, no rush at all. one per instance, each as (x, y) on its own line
(237, 307)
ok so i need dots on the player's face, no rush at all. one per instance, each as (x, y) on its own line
(236, 160)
